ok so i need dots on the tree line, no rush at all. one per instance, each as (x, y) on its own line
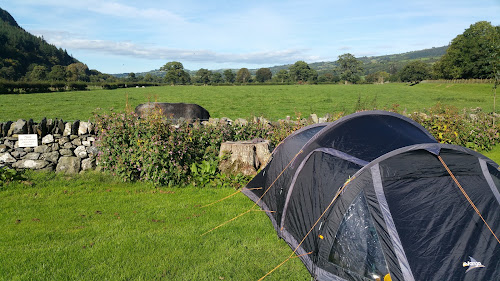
(475, 54)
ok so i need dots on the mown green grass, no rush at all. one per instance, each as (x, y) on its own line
(273, 102)
(92, 228)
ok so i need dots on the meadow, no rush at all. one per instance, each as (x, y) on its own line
(91, 227)
(271, 101)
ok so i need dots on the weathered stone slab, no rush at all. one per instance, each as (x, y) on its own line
(52, 157)
(48, 139)
(68, 165)
(88, 164)
(245, 157)
(81, 151)
(30, 164)
(6, 157)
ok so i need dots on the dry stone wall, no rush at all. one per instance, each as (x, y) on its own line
(67, 147)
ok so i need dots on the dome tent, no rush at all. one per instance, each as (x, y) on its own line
(373, 194)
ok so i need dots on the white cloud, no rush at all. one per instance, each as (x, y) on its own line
(129, 49)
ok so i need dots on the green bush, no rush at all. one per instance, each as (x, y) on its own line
(475, 130)
(9, 175)
(154, 150)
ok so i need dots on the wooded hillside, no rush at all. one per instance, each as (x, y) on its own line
(21, 51)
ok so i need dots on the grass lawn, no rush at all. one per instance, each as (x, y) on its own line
(273, 102)
(89, 227)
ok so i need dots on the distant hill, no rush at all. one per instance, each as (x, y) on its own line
(19, 50)
(388, 63)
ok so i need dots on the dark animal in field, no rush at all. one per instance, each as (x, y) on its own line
(176, 111)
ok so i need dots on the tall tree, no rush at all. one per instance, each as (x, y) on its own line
(301, 71)
(204, 76)
(349, 68)
(243, 76)
(282, 76)
(263, 74)
(415, 72)
(216, 78)
(473, 54)
(229, 76)
(77, 72)
(175, 73)
(38, 73)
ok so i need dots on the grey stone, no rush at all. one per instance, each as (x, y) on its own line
(58, 127)
(92, 151)
(55, 146)
(67, 129)
(7, 158)
(3, 148)
(63, 140)
(73, 137)
(52, 157)
(30, 164)
(20, 127)
(81, 152)
(9, 143)
(28, 149)
(68, 165)
(77, 142)
(42, 148)
(314, 118)
(66, 152)
(74, 127)
(88, 164)
(5, 128)
(86, 143)
(18, 153)
(323, 120)
(50, 126)
(29, 124)
(32, 156)
(48, 139)
(84, 128)
(91, 139)
(41, 128)
(68, 145)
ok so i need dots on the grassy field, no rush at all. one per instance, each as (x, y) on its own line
(273, 102)
(93, 228)
(90, 227)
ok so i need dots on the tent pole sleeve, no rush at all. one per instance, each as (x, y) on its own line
(487, 176)
(391, 227)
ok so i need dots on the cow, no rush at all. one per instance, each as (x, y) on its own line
(176, 111)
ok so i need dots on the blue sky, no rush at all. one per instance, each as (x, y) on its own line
(115, 36)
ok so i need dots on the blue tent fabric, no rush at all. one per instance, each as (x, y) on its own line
(373, 194)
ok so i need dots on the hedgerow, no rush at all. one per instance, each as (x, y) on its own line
(153, 149)
(473, 129)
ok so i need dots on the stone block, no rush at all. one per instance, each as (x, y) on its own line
(6, 157)
(32, 156)
(48, 139)
(30, 164)
(68, 165)
(42, 148)
(67, 129)
(52, 157)
(245, 157)
(81, 152)
(66, 152)
(88, 164)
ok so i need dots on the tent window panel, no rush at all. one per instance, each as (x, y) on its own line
(356, 247)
